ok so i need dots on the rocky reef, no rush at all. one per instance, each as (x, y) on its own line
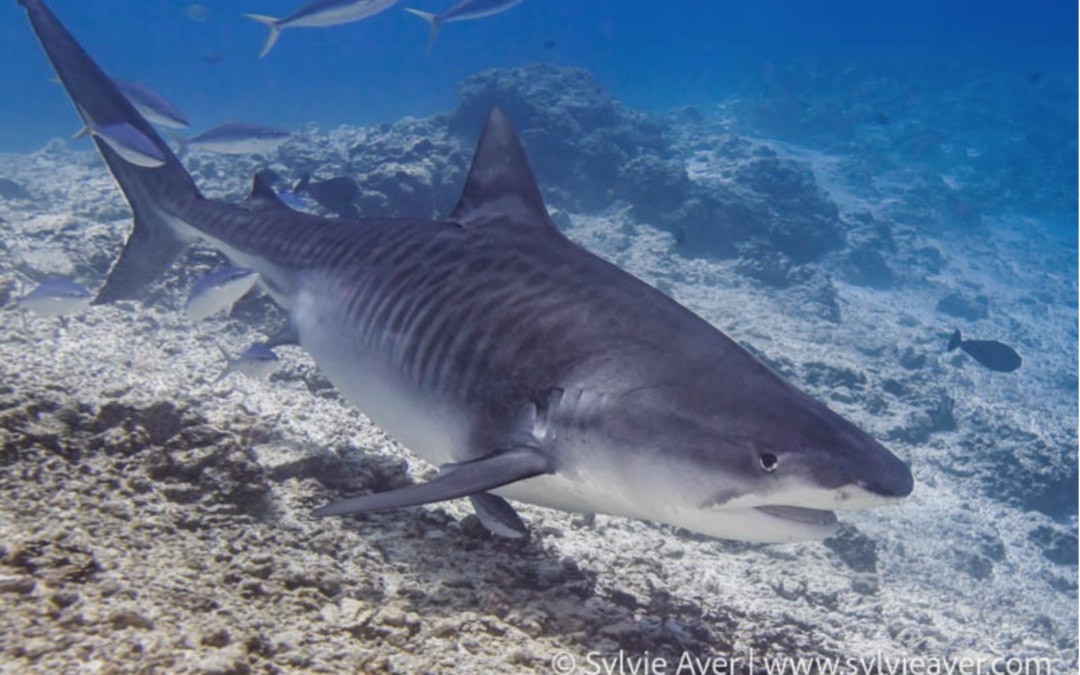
(589, 154)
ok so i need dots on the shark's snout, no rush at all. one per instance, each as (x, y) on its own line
(865, 476)
(892, 479)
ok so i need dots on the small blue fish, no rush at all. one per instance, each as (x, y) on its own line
(133, 146)
(235, 138)
(257, 361)
(152, 105)
(57, 296)
(319, 13)
(466, 10)
(219, 291)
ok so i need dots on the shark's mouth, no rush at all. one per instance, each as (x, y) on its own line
(799, 514)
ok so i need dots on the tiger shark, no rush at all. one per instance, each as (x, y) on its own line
(491, 345)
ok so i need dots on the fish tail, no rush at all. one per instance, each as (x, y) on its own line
(432, 19)
(153, 193)
(955, 340)
(275, 31)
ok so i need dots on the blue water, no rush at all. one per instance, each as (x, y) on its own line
(649, 55)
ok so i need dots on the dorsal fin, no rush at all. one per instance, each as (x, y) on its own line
(500, 189)
(263, 196)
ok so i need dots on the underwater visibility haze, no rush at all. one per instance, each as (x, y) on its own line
(536, 336)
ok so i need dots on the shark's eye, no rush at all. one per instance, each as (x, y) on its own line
(768, 462)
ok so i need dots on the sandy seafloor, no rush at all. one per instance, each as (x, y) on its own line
(152, 521)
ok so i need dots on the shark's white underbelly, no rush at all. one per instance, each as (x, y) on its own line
(435, 429)
(429, 427)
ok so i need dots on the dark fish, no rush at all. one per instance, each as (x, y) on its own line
(990, 353)
(882, 119)
(336, 194)
(1035, 78)
(213, 58)
(549, 44)
(9, 189)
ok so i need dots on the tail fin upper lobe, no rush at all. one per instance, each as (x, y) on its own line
(152, 192)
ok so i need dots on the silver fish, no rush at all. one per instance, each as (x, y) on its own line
(218, 291)
(148, 102)
(126, 140)
(318, 14)
(57, 296)
(257, 362)
(235, 138)
(152, 105)
(466, 10)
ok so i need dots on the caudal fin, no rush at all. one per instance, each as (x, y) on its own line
(153, 192)
(954, 340)
(275, 31)
(435, 21)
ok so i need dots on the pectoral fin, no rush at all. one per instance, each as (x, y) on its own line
(454, 480)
